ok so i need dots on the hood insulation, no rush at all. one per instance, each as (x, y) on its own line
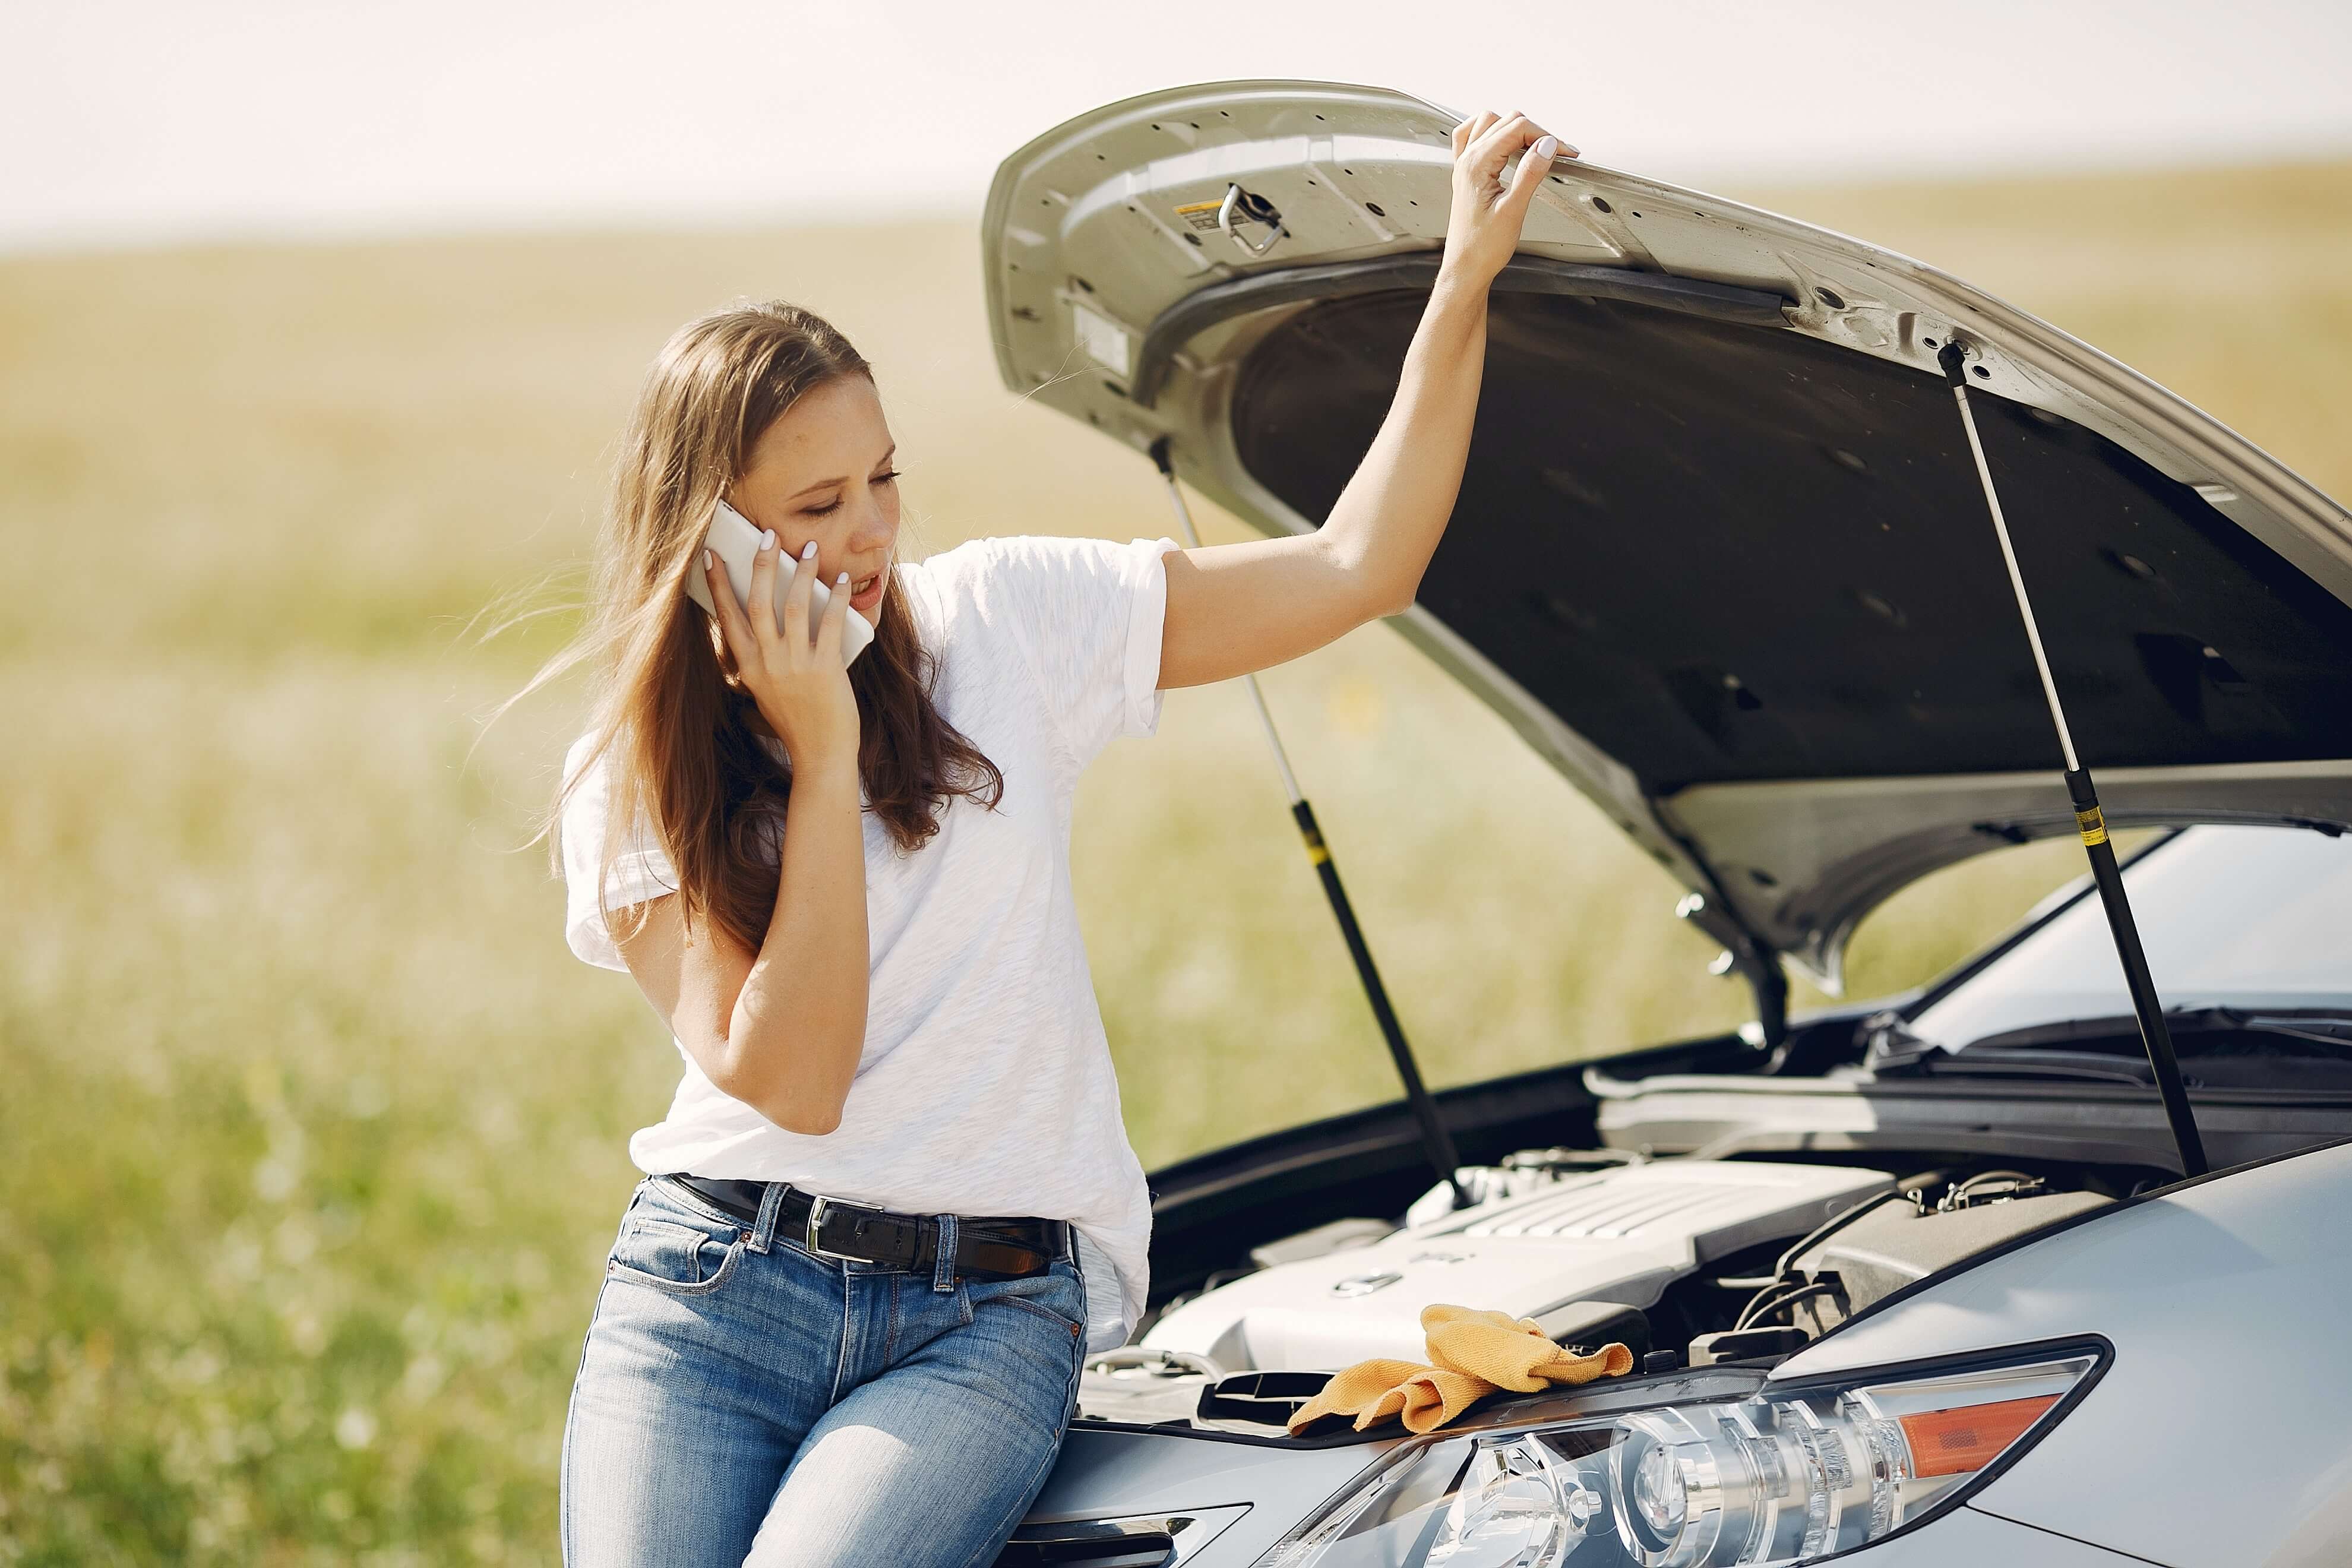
(1726, 554)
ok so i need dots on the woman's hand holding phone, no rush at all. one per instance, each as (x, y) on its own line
(801, 684)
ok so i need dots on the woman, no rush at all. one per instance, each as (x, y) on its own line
(893, 1202)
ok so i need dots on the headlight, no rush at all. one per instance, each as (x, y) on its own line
(1778, 1477)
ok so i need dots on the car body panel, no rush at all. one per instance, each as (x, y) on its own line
(2226, 1295)
(1105, 1473)
(1102, 231)
(1970, 1537)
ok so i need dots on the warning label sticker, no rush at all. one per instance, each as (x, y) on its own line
(1202, 217)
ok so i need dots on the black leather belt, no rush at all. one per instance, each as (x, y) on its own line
(991, 1248)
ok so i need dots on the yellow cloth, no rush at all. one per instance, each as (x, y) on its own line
(1475, 1353)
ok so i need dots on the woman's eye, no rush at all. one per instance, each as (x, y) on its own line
(821, 510)
(890, 478)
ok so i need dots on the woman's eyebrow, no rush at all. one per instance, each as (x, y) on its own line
(828, 484)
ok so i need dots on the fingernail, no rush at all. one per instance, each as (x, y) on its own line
(808, 551)
(706, 560)
(767, 538)
(842, 581)
(1547, 147)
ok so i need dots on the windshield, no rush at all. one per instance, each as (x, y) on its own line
(2230, 917)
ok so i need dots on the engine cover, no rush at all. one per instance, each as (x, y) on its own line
(1620, 1235)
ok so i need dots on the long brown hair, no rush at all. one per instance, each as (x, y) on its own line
(683, 753)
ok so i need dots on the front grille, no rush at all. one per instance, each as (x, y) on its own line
(1126, 1543)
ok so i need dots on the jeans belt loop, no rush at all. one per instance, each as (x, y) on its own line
(943, 1267)
(763, 1230)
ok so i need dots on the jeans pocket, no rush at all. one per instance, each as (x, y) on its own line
(671, 1257)
(664, 1193)
(1059, 1294)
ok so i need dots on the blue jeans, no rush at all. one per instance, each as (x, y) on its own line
(741, 1400)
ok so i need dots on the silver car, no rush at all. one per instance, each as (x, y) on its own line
(1916, 1282)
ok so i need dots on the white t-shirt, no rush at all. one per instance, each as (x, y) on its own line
(985, 1085)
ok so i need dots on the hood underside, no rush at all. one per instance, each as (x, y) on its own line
(1720, 554)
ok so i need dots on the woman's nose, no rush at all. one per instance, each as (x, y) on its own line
(872, 532)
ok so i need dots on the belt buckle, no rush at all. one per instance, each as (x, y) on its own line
(817, 1208)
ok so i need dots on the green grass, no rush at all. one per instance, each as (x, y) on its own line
(315, 1130)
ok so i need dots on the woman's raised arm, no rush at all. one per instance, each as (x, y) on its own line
(1236, 608)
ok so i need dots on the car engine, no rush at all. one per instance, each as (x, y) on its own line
(1686, 1261)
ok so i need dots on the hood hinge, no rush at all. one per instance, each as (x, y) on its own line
(1757, 963)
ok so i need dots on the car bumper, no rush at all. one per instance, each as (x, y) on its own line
(1968, 1538)
(1239, 1498)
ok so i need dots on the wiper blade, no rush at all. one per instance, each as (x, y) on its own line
(2039, 1053)
(1976, 1063)
(2319, 1027)
(2280, 1027)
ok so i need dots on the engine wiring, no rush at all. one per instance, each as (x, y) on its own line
(1785, 1285)
(1963, 1194)
(1754, 1317)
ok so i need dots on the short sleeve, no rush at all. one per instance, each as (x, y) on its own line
(642, 870)
(1089, 612)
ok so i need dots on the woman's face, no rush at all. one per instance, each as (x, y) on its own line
(822, 471)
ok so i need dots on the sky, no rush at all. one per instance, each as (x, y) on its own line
(151, 121)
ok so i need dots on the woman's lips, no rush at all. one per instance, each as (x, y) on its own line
(864, 596)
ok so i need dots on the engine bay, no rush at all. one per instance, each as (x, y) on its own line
(1688, 1261)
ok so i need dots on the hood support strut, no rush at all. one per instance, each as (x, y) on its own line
(1436, 1141)
(2154, 1037)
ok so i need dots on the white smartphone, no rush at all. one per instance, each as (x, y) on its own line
(734, 540)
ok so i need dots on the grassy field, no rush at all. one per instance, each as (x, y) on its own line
(315, 1130)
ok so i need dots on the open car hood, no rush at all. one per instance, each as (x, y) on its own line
(1721, 556)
